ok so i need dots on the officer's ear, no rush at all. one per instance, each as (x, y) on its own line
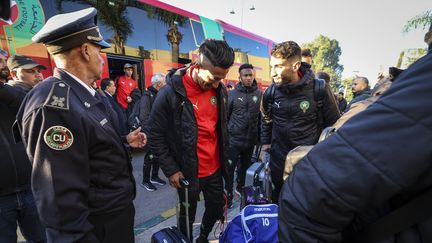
(13, 73)
(85, 51)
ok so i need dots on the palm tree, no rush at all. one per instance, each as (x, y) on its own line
(170, 19)
(113, 14)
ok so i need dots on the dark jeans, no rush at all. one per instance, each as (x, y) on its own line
(240, 157)
(149, 162)
(114, 227)
(212, 188)
(20, 208)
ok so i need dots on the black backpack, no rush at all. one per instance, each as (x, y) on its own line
(133, 119)
(319, 91)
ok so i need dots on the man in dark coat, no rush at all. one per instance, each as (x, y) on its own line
(108, 89)
(342, 103)
(290, 113)
(16, 200)
(188, 132)
(243, 122)
(360, 89)
(145, 105)
(82, 176)
(376, 162)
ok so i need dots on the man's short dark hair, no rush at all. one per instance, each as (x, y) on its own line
(287, 50)
(306, 52)
(245, 66)
(218, 52)
(364, 79)
(105, 83)
(323, 75)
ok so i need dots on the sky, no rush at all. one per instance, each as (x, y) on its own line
(369, 32)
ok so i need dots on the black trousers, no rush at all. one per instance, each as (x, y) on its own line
(212, 188)
(149, 163)
(114, 227)
(277, 186)
(240, 157)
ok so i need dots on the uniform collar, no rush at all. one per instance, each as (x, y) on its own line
(82, 92)
(88, 88)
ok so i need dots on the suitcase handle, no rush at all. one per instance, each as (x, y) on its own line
(184, 183)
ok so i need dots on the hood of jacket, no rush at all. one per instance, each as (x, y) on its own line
(239, 86)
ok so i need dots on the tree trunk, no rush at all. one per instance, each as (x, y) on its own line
(175, 52)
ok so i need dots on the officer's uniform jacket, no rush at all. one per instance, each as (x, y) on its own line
(80, 165)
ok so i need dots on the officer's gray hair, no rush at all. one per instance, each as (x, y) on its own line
(156, 78)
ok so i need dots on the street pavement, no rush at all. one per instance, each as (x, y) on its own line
(157, 210)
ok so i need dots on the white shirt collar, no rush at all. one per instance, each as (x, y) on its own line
(90, 89)
(107, 93)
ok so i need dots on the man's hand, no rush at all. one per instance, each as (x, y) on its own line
(128, 99)
(265, 148)
(175, 178)
(136, 138)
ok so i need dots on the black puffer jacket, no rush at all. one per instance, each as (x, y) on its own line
(294, 117)
(380, 157)
(15, 167)
(243, 115)
(173, 128)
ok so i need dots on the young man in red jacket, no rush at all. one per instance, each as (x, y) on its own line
(125, 85)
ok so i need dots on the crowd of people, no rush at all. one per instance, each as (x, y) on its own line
(66, 173)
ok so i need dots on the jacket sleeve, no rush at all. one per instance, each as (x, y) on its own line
(364, 164)
(11, 97)
(161, 125)
(266, 120)
(61, 175)
(331, 110)
(230, 105)
(144, 111)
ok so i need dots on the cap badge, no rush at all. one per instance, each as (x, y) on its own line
(95, 38)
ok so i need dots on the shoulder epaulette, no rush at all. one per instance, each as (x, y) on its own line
(58, 96)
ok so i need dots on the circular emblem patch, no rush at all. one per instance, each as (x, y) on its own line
(213, 100)
(304, 105)
(58, 138)
(255, 99)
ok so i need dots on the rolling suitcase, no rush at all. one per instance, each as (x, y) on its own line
(172, 234)
(258, 185)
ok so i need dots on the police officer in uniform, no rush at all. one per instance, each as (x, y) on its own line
(82, 176)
